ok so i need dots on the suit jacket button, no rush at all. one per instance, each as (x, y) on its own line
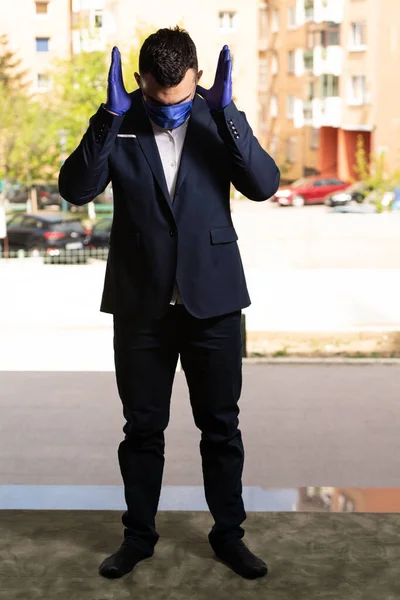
(173, 232)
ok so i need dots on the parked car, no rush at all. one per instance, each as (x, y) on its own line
(50, 235)
(309, 190)
(356, 193)
(99, 237)
(47, 194)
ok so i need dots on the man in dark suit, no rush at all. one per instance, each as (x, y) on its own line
(174, 277)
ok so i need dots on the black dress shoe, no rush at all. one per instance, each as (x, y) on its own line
(122, 561)
(236, 555)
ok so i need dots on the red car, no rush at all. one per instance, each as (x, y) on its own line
(310, 190)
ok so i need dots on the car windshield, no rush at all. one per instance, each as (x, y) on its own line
(356, 186)
(299, 182)
(67, 226)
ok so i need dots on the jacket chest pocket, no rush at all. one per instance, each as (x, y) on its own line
(223, 235)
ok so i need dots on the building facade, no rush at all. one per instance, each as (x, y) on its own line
(312, 76)
(338, 59)
(40, 30)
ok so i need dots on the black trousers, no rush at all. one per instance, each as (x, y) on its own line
(146, 355)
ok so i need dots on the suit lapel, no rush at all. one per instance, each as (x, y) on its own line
(138, 122)
(198, 121)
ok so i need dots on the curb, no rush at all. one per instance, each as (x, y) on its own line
(323, 361)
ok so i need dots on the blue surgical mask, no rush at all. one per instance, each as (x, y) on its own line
(169, 117)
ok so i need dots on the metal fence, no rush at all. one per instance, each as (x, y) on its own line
(56, 256)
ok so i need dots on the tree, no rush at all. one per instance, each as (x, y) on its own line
(11, 77)
(80, 86)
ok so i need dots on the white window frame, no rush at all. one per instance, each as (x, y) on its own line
(291, 149)
(274, 106)
(357, 30)
(292, 17)
(290, 102)
(98, 12)
(291, 62)
(275, 21)
(330, 86)
(357, 90)
(39, 87)
(227, 20)
(274, 145)
(263, 73)
(274, 65)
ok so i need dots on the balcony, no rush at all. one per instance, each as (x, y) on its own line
(328, 11)
(328, 60)
(327, 112)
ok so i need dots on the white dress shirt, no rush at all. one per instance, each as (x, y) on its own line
(170, 146)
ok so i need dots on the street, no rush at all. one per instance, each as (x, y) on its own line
(301, 425)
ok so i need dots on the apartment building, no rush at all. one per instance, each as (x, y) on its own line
(370, 75)
(286, 87)
(38, 31)
(338, 59)
(42, 29)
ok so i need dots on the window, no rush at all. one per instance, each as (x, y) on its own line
(68, 226)
(15, 221)
(291, 149)
(290, 107)
(292, 23)
(41, 8)
(263, 22)
(358, 37)
(311, 90)
(42, 44)
(275, 21)
(274, 106)
(314, 140)
(263, 73)
(357, 90)
(331, 35)
(103, 225)
(309, 9)
(274, 65)
(291, 61)
(227, 20)
(273, 145)
(308, 58)
(330, 86)
(43, 81)
(30, 223)
(98, 18)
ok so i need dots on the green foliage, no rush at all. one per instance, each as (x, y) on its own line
(362, 166)
(11, 77)
(30, 125)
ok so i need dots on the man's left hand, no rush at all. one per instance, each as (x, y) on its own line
(220, 95)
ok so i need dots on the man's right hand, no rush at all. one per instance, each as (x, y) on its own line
(118, 99)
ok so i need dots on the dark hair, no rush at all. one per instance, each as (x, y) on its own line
(167, 55)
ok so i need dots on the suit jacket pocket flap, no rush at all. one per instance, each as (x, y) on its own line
(223, 235)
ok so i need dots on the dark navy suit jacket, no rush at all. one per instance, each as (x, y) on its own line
(154, 241)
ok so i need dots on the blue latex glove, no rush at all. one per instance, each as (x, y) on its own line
(118, 99)
(220, 95)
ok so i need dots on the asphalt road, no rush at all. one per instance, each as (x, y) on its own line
(301, 425)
